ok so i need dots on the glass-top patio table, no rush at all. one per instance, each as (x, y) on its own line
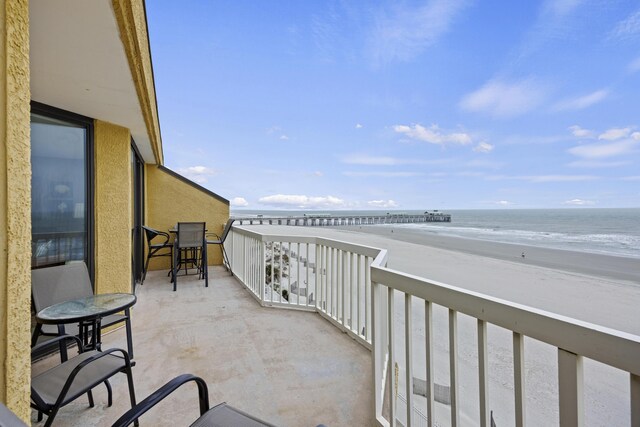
(88, 312)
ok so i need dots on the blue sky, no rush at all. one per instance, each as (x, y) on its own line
(450, 104)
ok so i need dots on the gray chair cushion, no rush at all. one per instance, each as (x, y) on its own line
(224, 415)
(49, 384)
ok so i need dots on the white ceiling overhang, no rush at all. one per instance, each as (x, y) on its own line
(79, 64)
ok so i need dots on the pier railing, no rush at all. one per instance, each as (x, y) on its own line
(337, 220)
(351, 286)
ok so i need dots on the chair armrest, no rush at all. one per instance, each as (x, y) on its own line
(141, 408)
(56, 339)
(165, 235)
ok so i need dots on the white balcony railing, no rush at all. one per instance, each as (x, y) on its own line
(351, 286)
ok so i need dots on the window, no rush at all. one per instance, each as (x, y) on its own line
(60, 187)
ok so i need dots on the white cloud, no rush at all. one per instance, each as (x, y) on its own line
(595, 164)
(433, 134)
(239, 202)
(558, 178)
(505, 99)
(627, 28)
(634, 66)
(579, 132)
(483, 147)
(358, 126)
(579, 202)
(407, 31)
(631, 178)
(382, 203)
(383, 174)
(581, 102)
(615, 133)
(363, 159)
(284, 137)
(636, 136)
(600, 151)
(302, 201)
(198, 174)
(318, 173)
(503, 203)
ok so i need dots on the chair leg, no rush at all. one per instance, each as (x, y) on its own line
(127, 325)
(176, 261)
(36, 334)
(109, 393)
(90, 397)
(50, 416)
(40, 416)
(144, 272)
(132, 392)
(205, 265)
(225, 259)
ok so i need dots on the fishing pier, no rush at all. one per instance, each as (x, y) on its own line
(321, 220)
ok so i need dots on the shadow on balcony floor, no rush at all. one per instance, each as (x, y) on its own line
(290, 368)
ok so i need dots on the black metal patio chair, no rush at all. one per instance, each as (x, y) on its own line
(189, 247)
(157, 249)
(64, 383)
(66, 282)
(219, 240)
(221, 415)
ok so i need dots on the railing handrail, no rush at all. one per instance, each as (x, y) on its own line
(604, 344)
(338, 244)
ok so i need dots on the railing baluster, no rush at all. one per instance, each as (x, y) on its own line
(376, 348)
(263, 273)
(518, 378)
(358, 283)
(315, 282)
(298, 279)
(408, 353)
(428, 332)
(367, 291)
(273, 268)
(453, 367)
(483, 371)
(635, 399)
(392, 357)
(343, 281)
(570, 389)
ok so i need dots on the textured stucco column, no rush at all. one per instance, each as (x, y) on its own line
(112, 208)
(15, 208)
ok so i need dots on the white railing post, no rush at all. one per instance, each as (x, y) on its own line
(570, 389)
(483, 371)
(391, 372)
(428, 330)
(408, 353)
(453, 367)
(518, 378)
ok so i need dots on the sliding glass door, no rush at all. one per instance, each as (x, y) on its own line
(61, 202)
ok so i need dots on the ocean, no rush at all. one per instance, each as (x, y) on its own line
(604, 231)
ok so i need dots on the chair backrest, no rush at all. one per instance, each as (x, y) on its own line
(227, 228)
(52, 285)
(150, 233)
(190, 234)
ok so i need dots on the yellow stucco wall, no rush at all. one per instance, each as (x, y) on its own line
(15, 208)
(112, 208)
(169, 200)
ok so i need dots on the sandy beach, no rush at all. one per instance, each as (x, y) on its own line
(599, 289)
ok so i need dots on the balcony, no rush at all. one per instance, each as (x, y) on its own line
(317, 330)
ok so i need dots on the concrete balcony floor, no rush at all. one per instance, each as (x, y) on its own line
(290, 368)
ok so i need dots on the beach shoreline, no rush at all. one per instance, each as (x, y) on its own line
(612, 267)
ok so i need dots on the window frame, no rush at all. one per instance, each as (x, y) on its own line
(88, 124)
